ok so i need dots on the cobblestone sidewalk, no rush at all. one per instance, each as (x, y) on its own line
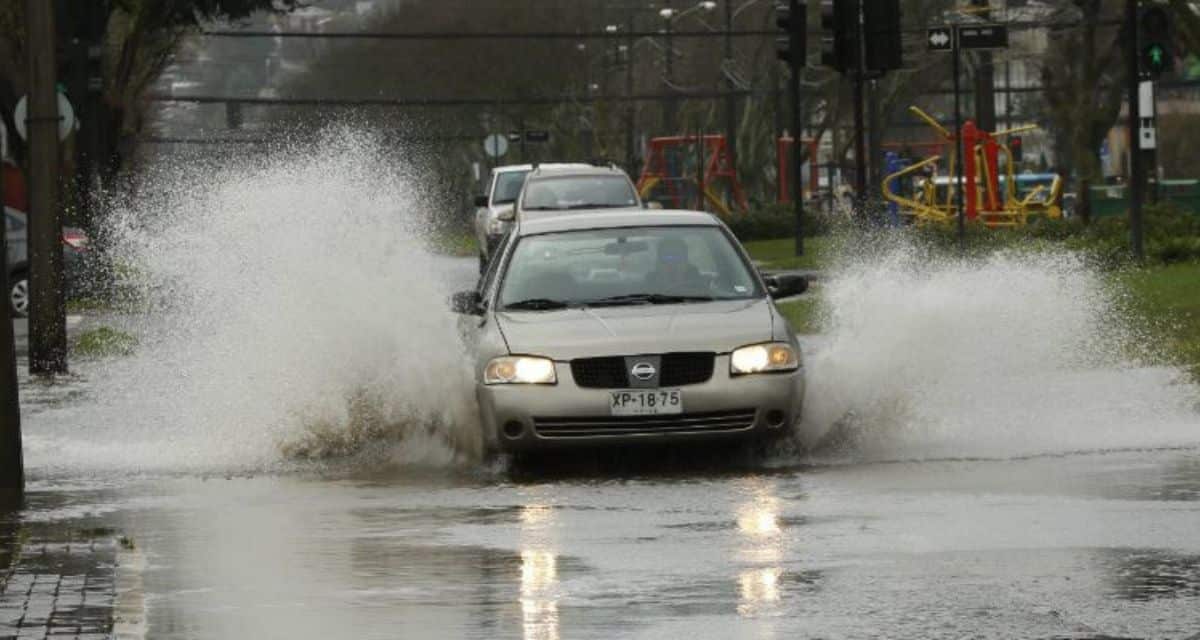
(59, 590)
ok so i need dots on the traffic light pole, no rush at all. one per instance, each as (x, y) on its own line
(959, 180)
(1137, 176)
(860, 78)
(730, 100)
(797, 48)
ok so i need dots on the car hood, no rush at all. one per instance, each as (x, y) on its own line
(606, 331)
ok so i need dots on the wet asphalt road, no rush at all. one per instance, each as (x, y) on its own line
(709, 545)
(1101, 543)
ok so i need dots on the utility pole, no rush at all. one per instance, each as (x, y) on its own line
(730, 100)
(669, 77)
(875, 147)
(860, 77)
(985, 88)
(12, 470)
(959, 150)
(791, 47)
(47, 314)
(1136, 173)
(630, 136)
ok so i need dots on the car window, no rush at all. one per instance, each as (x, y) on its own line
(13, 223)
(578, 192)
(594, 266)
(508, 186)
(489, 277)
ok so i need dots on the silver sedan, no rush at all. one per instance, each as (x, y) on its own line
(626, 327)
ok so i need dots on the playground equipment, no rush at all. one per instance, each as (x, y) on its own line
(783, 154)
(685, 171)
(994, 199)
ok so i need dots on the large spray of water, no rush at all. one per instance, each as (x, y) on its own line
(295, 311)
(1012, 355)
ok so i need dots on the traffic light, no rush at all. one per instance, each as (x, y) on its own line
(791, 18)
(1015, 151)
(881, 26)
(1154, 37)
(839, 35)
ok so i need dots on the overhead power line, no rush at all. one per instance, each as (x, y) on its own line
(479, 35)
(450, 102)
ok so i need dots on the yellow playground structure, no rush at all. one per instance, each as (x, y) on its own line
(996, 199)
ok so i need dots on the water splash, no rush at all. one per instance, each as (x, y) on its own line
(1011, 355)
(285, 292)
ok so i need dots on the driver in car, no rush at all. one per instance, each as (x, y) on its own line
(673, 274)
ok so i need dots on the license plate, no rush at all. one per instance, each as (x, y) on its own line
(646, 402)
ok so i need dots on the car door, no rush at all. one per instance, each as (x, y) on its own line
(15, 238)
(471, 326)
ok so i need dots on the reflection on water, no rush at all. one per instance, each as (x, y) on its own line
(761, 543)
(758, 586)
(539, 602)
(539, 573)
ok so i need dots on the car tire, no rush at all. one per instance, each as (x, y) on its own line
(18, 294)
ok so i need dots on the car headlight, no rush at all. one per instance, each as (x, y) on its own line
(497, 227)
(520, 370)
(763, 358)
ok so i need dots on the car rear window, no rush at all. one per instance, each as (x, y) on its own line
(578, 192)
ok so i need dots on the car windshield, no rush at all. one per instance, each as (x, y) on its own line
(508, 186)
(637, 265)
(578, 192)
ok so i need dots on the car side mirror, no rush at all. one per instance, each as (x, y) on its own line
(481, 201)
(467, 303)
(508, 214)
(784, 285)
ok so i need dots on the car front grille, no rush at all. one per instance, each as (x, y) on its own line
(600, 373)
(678, 369)
(712, 421)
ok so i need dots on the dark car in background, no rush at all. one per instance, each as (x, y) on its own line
(75, 260)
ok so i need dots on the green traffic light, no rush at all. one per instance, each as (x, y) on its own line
(1156, 55)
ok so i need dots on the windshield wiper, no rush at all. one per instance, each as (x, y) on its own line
(536, 304)
(645, 298)
(592, 205)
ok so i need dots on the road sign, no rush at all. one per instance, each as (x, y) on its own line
(983, 36)
(66, 117)
(940, 39)
(537, 135)
(495, 145)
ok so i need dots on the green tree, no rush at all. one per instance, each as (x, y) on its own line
(1083, 73)
(139, 37)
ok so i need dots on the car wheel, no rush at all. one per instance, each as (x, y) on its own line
(18, 295)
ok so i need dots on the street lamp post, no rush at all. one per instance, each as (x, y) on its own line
(669, 16)
(670, 106)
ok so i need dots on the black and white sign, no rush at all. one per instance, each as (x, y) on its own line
(983, 36)
(941, 39)
(537, 135)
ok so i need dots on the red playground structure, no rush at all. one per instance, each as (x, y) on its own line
(687, 171)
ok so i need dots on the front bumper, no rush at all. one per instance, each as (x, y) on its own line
(533, 417)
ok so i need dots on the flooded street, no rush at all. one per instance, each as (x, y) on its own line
(305, 462)
(1101, 543)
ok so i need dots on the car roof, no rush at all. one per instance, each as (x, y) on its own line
(566, 170)
(510, 168)
(610, 219)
